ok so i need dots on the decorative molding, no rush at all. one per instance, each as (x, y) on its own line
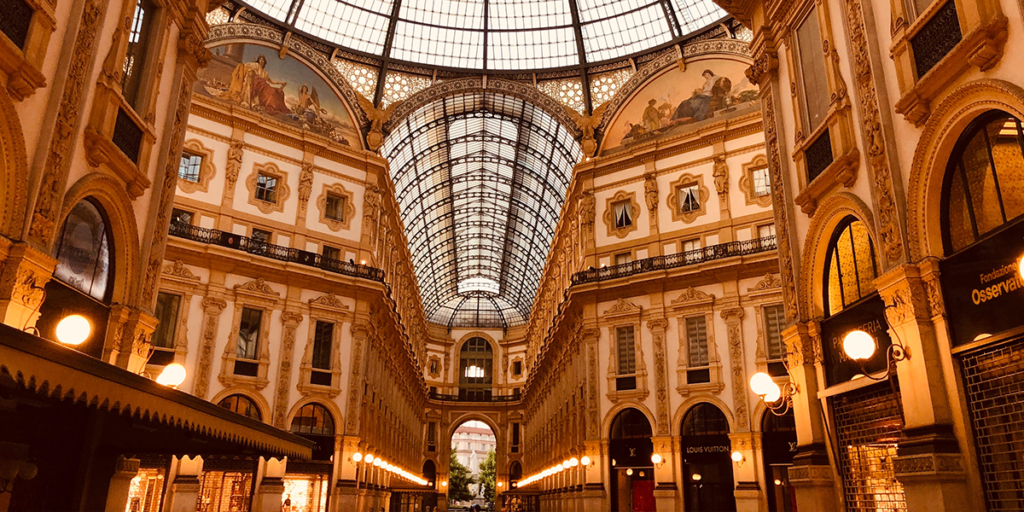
(207, 170)
(281, 192)
(734, 334)
(212, 309)
(258, 286)
(609, 214)
(290, 320)
(703, 193)
(770, 281)
(329, 301)
(657, 327)
(622, 307)
(348, 213)
(692, 295)
(305, 186)
(180, 271)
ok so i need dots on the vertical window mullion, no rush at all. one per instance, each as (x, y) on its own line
(995, 175)
(967, 197)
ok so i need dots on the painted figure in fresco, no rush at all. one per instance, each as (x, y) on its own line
(652, 117)
(252, 87)
(706, 100)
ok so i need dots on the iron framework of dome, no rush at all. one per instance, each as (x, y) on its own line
(495, 35)
(480, 179)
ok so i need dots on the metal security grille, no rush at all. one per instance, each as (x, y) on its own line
(697, 339)
(994, 381)
(868, 425)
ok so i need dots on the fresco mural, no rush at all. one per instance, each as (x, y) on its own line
(678, 101)
(286, 90)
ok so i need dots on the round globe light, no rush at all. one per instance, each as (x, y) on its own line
(761, 383)
(585, 460)
(357, 456)
(73, 330)
(574, 462)
(859, 345)
(173, 375)
(559, 468)
(377, 462)
(565, 464)
(737, 457)
(1020, 267)
(695, 477)
(773, 395)
(444, 484)
(629, 472)
(656, 458)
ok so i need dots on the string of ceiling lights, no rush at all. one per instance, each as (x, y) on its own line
(378, 462)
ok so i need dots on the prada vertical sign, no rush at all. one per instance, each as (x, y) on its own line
(982, 286)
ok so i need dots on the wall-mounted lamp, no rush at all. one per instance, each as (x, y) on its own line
(499, 485)
(1020, 267)
(585, 460)
(658, 460)
(444, 484)
(777, 399)
(629, 472)
(574, 462)
(738, 458)
(695, 477)
(368, 459)
(172, 376)
(860, 346)
(355, 458)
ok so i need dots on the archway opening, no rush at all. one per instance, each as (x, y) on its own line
(472, 465)
(778, 439)
(707, 468)
(632, 471)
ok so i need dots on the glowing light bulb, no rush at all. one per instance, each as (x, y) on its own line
(859, 345)
(656, 458)
(173, 375)
(773, 395)
(761, 383)
(574, 462)
(73, 330)
(737, 457)
(585, 460)
(629, 472)
(357, 457)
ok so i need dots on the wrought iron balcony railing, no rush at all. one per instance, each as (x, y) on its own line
(682, 259)
(475, 397)
(276, 252)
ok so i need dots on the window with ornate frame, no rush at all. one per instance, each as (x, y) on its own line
(337, 208)
(698, 363)
(246, 357)
(320, 371)
(268, 188)
(698, 366)
(755, 182)
(313, 419)
(163, 341)
(689, 197)
(621, 214)
(984, 182)
(627, 370)
(850, 265)
(476, 365)
(196, 169)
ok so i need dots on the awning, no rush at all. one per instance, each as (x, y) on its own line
(158, 419)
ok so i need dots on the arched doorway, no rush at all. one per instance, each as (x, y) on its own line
(476, 365)
(632, 472)
(515, 473)
(307, 483)
(472, 465)
(83, 278)
(707, 468)
(778, 441)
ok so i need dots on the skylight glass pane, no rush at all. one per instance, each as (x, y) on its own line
(462, 14)
(437, 46)
(276, 9)
(528, 14)
(362, 29)
(591, 10)
(626, 34)
(532, 49)
(694, 15)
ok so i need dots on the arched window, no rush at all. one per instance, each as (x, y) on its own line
(984, 183)
(313, 419)
(515, 471)
(851, 266)
(83, 251)
(630, 424)
(476, 361)
(243, 405)
(705, 419)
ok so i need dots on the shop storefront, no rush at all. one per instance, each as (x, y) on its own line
(866, 422)
(632, 472)
(983, 289)
(707, 468)
(226, 485)
(778, 442)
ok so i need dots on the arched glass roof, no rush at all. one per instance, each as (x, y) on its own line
(480, 178)
(499, 35)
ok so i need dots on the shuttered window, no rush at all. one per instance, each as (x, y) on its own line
(773, 323)
(697, 340)
(627, 351)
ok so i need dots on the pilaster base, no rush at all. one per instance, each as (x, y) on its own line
(666, 498)
(183, 494)
(25, 272)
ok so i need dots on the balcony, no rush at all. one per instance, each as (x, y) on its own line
(475, 398)
(683, 259)
(276, 252)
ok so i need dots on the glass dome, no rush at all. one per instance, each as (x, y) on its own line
(498, 35)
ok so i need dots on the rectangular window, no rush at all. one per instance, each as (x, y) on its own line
(691, 250)
(335, 208)
(766, 231)
(626, 350)
(689, 198)
(322, 340)
(134, 59)
(517, 368)
(331, 253)
(812, 67)
(691, 245)
(16, 21)
(774, 320)
(622, 259)
(515, 438)
(623, 214)
(249, 334)
(266, 188)
(190, 166)
(261, 236)
(167, 314)
(697, 341)
(181, 217)
(431, 436)
(433, 367)
(762, 182)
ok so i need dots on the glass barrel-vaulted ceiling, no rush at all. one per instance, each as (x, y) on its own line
(499, 35)
(480, 179)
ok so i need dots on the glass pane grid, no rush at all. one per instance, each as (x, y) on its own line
(343, 23)
(868, 426)
(694, 15)
(626, 34)
(277, 9)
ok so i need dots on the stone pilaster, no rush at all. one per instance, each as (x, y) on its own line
(120, 483)
(745, 473)
(291, 321)
(25, 272)
(738, 375)
(212, 309)
(183, 493)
